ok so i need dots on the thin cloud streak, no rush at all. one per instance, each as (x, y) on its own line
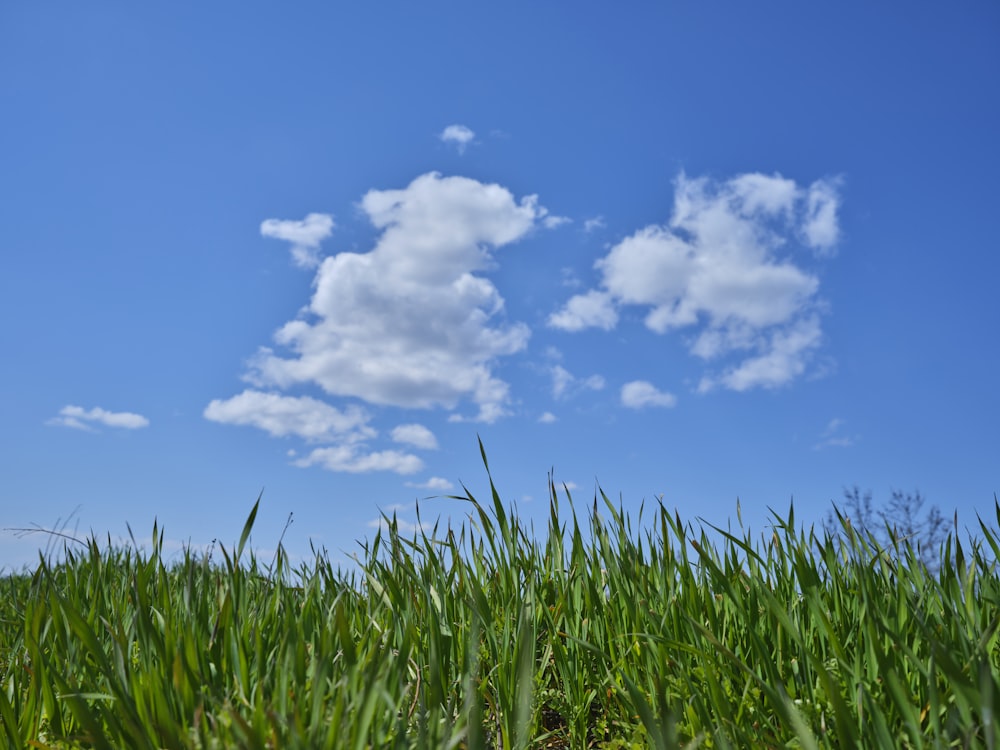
(76, 417)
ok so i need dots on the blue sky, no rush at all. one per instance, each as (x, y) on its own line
(691, 250)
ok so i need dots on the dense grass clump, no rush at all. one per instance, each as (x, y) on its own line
(484, 636)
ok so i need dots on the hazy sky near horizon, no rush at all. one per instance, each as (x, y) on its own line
(683, 251)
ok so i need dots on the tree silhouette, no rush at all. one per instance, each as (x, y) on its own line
(902, 521)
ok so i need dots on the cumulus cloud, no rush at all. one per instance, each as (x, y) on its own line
(416, 435)
(411, 323)
(305, 236)
(548, 418)
(722, 266)
(315, 421)
(280, 416)
(79, 418)
(459, 135)
(354, 460)
(593, 309)
(783, 358)
(640, 394)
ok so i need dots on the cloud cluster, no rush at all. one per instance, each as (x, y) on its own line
(81, 419)
(414, 322)
(721, 266)
(345, 431)
(411, 323)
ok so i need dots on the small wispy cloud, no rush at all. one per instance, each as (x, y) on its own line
(305, 236)
(402, 525)
(565, 384)
(568, 278)
(821, 228)
(834, 424)
(551, 222)
(353, 460)
(79, 418)
(434, 483)
(640, 394)
(597, 222)
(459, 135)
(833, 436)
(548, 418)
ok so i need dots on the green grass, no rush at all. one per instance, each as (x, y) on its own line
(597, 633)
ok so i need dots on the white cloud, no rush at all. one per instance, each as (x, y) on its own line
(402, 526)
(551, 222)
(409, 323)
(843, 441)
(835, 424)
(565, 383)
(783, 359)
(434, 483)
(416, 435)
(548, 418)
(305, 236)
(561, 378)
(821, 229)
(640, 394)
(758, 194)
(568, 278)
(316, 421)
(460, 135)
(353, 460)
(722, 266)
(278, 415)
(597, 222)
(81, 419)
(593, 309)
(832, 436)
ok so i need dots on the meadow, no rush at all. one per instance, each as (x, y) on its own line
(599, 631)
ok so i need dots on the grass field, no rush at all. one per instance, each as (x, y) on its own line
(601, 631)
